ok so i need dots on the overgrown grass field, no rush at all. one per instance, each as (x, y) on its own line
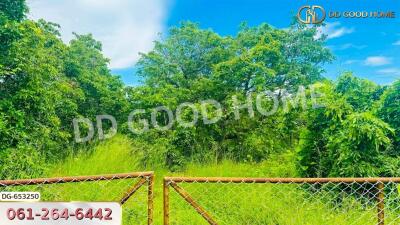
(274, 204)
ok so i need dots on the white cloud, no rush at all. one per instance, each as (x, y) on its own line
(347, 46)
(390, 71)
(351, 61)
(350, 45)
(377, 61)
(125, 27)
(333, 30)
(397, 43)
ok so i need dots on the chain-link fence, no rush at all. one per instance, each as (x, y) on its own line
(281, 201)
(133, 190)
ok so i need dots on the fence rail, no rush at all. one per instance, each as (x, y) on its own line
(111, 187)
(292, 201)
(231, 200)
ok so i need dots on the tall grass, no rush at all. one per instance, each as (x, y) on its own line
(228, 203)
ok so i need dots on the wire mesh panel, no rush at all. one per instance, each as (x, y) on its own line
(237, 201)
(133, 190)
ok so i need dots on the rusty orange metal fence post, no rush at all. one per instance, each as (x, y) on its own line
(150, 199)
(166, 201)
(381, 204)
(144, 177)
(175, 181)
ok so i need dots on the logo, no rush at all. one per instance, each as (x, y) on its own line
(311, 14)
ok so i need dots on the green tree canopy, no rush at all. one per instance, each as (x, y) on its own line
(13, 9)
(191, 65)
(342, 138)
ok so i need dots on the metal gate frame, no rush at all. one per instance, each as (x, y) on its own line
(174, 183)
(145, 178)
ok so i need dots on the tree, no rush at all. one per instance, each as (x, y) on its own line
(358, 149)
(360, 93)
(388, 109)
(13, 9)
(192, 65)
(44, 85)
(33, 94)
(339, 141)
(87, 68)
(321, 123)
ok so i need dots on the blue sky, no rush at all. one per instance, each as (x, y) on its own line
(368, 47)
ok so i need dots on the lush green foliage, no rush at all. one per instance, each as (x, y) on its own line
(13, 9)
(192, 65)
(45, 84)
(389, 110)
(344, 138)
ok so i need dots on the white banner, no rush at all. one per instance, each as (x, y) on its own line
(60, 213)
